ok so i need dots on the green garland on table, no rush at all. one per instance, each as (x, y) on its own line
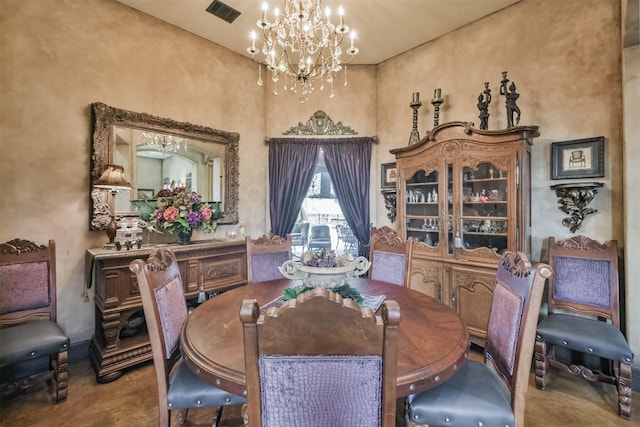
(345, 291)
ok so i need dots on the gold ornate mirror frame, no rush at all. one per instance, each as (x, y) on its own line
(104, 121)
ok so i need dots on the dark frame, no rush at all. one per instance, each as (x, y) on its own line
(579, 158)
(389, 175)
(145, 193)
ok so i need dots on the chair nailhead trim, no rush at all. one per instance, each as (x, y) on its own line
(437, 378)
(480, 424)
(564, 343)
(412, 387)
(590, 350)
(628, 360)
(170, 405)
(32, 354)
(538, 337)
(226, 399)
(198, 402)
(447, 420)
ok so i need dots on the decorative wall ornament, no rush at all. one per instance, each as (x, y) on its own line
(573, 199)
(390, 203)
(436, 102)
(510, 96)
(320, 124)
(483, 105)
(415, 104)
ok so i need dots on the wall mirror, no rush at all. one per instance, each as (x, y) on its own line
(159, 153)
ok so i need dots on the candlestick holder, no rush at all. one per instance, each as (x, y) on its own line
(415, 104)
(436, 102)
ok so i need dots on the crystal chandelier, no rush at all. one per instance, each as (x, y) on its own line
(302, 45)
(163, 142)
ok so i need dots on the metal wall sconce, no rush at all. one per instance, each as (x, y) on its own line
(573, 200)
(390, 203)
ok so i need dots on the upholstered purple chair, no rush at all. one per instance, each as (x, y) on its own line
(264, 255)
(390, 256)
(585, 284)
(33, 347)
(320, 360)
(493, 393)
(165, 311)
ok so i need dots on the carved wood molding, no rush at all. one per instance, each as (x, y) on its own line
(516, 263)
(581, 242)
(320, 124)
(388, 237)
(18, 246)
(268, 240)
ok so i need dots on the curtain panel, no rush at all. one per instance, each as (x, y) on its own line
(291, 165)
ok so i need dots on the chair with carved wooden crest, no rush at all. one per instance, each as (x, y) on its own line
(33, 347)
(581, 334)
(493, 393)
(390, 256)
(264, 255)
(165, 310)
(320, 360)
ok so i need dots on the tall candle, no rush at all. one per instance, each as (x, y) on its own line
(437, 93)
(416, 97)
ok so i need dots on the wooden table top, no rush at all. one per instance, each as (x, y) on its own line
(433, 342)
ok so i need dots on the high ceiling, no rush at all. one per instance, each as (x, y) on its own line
(384, 28)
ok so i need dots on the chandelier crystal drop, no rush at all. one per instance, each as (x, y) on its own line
(163, 142)
(301, 45)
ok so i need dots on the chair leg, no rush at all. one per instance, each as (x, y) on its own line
(60, 375)
(182, 416)
(624, 389)
(541, 364)
(218, 417)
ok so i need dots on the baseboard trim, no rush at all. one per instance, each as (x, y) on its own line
(79, 351)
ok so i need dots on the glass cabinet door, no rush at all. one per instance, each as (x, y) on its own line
(421, 207)
(485, 214)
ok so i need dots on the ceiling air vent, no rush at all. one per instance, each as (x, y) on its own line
(223, 11)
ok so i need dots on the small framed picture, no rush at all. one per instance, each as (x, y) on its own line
(145, 193)
(389, 175)
(580, 158)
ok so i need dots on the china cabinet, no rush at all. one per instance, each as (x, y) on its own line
(463, 194)
(120, 339)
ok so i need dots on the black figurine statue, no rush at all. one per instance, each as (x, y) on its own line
(484, 99)
(511, 96)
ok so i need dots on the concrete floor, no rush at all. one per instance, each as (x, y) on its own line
(132, 401)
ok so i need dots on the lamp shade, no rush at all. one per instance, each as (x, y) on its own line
(113, 179)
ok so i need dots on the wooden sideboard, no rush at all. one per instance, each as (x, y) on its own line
(120, 339)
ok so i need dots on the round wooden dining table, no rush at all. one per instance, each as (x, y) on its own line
(433, 342)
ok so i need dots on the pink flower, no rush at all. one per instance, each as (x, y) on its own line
(206, 213)
(171, 213)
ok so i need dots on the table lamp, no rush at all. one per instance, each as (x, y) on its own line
(112, 179)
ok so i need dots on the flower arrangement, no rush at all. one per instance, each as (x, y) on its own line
(324, 258)
(182, 211)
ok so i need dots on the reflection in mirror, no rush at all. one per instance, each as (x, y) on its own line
(159, 153)
(162, 161)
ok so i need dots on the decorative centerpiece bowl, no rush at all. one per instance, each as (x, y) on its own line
(324, 277)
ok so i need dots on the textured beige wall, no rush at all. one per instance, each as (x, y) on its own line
(568, 79)
(354, 105)
(632, 201)
(60, 56)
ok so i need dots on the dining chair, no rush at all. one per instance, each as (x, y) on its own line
(390, 256)
(300, 235)
(33, 347)
(165, 310)
(493, 392)
(346, 236)
(320, 237)
(320, 360)
(581, 334)
(264, 255)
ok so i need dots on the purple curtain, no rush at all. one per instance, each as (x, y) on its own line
(291, 165)
(349, 165)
